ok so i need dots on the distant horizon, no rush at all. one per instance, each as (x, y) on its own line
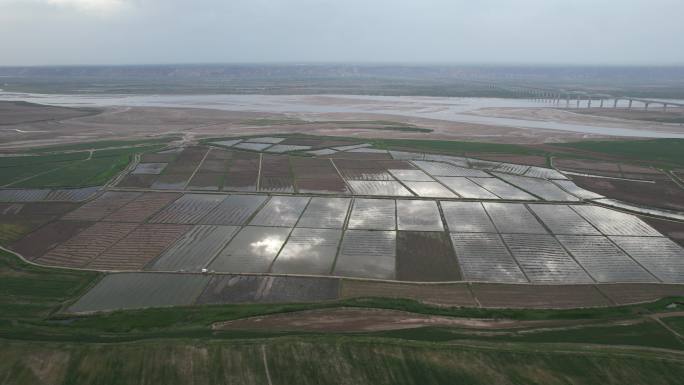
(367, 64)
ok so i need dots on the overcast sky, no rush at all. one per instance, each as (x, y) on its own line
(42, 32)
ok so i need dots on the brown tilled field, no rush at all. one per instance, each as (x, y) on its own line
(455, 294)
(139, 247)
(538, 296)
(45, 238)
(663, 194)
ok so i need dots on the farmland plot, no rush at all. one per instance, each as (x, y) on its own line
(425, 257)
(102, 206)
(455, 160)
(467, 217)
(23, 195)
(538, 296)
(195, 249)
(452, 294)
(503, 189)
(187, 161)
(604, 261)
(325, 213)
(484, 257)
(411, 175)
(332, 185)
(139, 247)
(626, 293)
(71, 194)
(574, 189)
(430, 189)
(171, 181)
(561, 219)
(482, 164)
(252, 250)
(511, 168)
(149, 168)
(275, 174)
(81, 249)
(189, 208)
(513, 218)
(142, 207)
(378, 188)
(137, 181)
(45, 238)
(243, 172)
(446, 169)
(661, 256)
(367, 254)
(226, 289)
(466, 188)
(280, 211)
(373, 214)
(141, 290)
(282, 148)
(539, 187)
(234, 210)
(207, 181)
(308, 251)
(544, 260)
(545, 173)
(253, 146)
(265, 139)
(611, 222)
(418, 216)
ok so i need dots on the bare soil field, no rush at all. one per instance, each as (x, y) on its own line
(142, 207)
(426, 256)
(663, 194)
(674, 230)
(456, 294)
(45, 238)
(361, 320)
(625, 293)
(538, 296)
(102, 206)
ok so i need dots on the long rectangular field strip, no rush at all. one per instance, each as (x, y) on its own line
(325, 213)
(280, 211)
(252, 250)
(466, 188)
(503, 189)
(561, 219)
(513, 218)
(234, 210)
(367, 254)
(188, 209)
(446, 169)
(484, 257)
(142, 207)
(430, 189)
(539, 187)
(308, 251)
(611, 222)
(661, 256)
(544, 260)
(139, 247)
(141, 290)
(268, 289)
(102, 206)
(604, 261)
(87, 245)
(195, 249)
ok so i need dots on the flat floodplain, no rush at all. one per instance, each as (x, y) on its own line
(308, 251)
(142, 207)
(79, 250)
(252, 250)
(430, 189)
(484, 257)
(234, 210)
(513, 218)
(467, 217)
(418, 215)
(263, 289)
(378, 188)
(139, 247)
(280, 211)
(661, 256)
(604, 261)
(561, 219)
(102, 206)
(195, 249)
(544, 260)
(40, 241)
(373, 214)
(188, 209)
(540, 187)
(325, 213)
(367, 254)
(425, 257)
(503, 189)
(611, 222)
(466, 188)
(141, 290)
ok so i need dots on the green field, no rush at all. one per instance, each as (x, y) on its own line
(667, 152)
(39, 345)
(69, 169)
